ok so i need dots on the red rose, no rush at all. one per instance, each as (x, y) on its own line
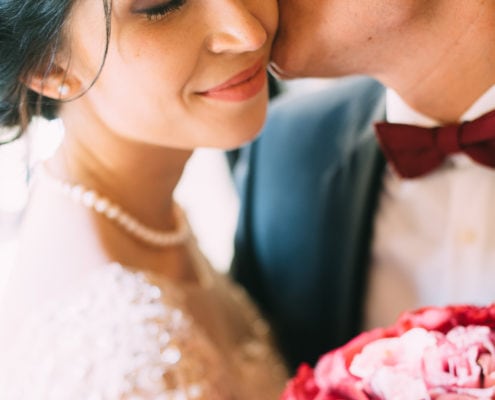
(303, 385)
(432, 353)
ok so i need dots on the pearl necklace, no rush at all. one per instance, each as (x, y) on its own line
(112, 211)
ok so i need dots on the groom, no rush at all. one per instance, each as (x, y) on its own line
(334, 238)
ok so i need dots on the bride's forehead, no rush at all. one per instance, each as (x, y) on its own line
(97, 10)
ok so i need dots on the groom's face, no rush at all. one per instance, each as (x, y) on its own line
(339, 37)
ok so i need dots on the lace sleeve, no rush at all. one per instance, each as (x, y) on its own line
(120, 341)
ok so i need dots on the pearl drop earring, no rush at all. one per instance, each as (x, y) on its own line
(63, 90)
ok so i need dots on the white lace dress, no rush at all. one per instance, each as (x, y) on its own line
(135, 336)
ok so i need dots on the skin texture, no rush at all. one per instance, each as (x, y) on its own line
(129, 136)
(146, 108)
(330, 38)
(155, 69)
(420, 48)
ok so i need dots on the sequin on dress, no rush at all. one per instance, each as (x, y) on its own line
(135, 336)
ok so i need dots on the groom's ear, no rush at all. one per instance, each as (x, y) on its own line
(56, 83)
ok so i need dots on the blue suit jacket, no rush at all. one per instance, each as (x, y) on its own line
(309, 188)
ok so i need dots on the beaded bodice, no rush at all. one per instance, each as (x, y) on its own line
(131, 336)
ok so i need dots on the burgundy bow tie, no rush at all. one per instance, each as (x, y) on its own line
(414, 151)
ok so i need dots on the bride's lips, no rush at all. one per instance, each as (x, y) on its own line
(242, 86)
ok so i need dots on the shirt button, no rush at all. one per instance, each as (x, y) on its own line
(467, 236)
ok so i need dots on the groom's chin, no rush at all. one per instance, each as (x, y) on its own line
(280, 73)
(285, 63)
(295, 57)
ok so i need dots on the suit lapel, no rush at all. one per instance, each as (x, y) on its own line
(364, 202)
(348, 218)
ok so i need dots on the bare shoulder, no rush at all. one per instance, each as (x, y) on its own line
(56, 231)
(56, 249)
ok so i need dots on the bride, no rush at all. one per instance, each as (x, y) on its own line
(110, 298)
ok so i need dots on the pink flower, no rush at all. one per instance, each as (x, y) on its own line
(433, 353)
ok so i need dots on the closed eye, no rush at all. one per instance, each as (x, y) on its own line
(160, 11)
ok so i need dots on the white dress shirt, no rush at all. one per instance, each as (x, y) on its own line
(434, 236)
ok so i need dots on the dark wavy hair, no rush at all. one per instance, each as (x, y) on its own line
(31, 35)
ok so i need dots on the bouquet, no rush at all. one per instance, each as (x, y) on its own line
(440, 353)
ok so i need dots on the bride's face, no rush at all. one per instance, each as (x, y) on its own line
(179, 73)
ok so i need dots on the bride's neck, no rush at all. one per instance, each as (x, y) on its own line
(139, 177)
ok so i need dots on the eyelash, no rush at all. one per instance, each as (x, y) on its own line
(159, 12)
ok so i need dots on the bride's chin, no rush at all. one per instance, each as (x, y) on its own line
(235, 143)
(240, 132)
(240, 139)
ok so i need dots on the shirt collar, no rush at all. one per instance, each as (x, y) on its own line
(398, 111)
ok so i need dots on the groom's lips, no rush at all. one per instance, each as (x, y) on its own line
(242, 86)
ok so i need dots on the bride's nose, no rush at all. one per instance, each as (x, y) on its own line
(233, 28)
